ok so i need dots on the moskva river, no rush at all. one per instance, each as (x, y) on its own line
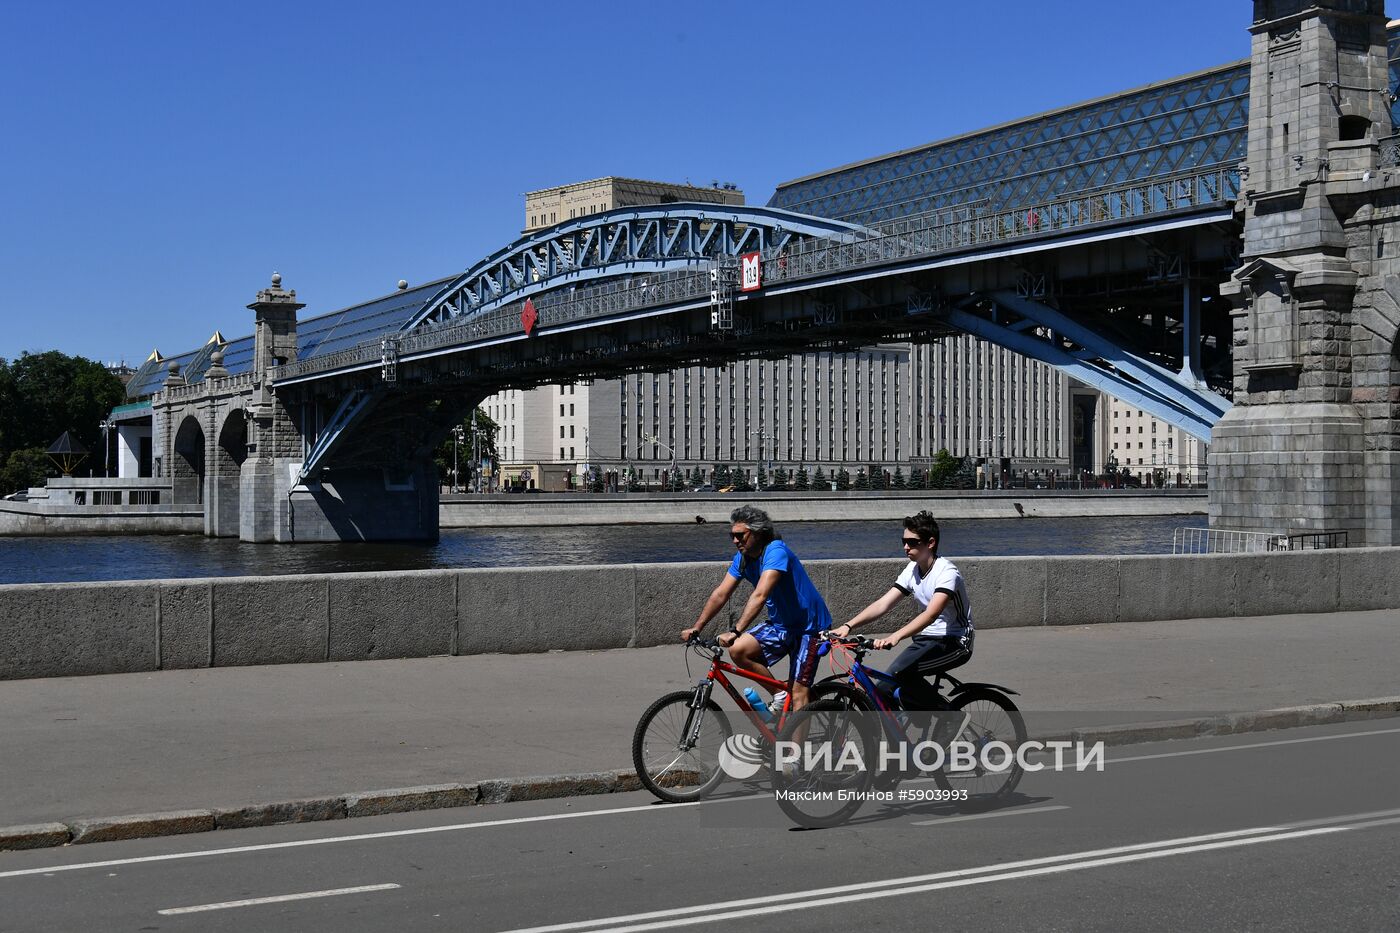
(147, 557)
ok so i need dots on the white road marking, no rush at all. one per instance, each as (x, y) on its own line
(278, 899)
(1239, 748)
(644, 808)
(897, 887)
(390, 834)
(986, 816)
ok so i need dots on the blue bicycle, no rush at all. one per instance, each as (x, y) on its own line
(990, 715)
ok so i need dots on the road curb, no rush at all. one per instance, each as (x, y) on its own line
(510, 790)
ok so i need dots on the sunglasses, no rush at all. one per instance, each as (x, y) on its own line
(911, 542)
(740, 535)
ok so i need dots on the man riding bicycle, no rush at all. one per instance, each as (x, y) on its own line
(796, 611)
(941, 633)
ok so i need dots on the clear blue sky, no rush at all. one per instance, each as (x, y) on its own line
(162, 159)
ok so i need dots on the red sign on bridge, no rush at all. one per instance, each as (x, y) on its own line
(529, 316)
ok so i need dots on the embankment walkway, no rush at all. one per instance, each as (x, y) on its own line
(228, 737)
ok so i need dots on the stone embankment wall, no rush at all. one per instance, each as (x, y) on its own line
(40, 518)
(500, 511)
(64, 629)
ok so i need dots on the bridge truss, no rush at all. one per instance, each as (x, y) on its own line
(626, 241)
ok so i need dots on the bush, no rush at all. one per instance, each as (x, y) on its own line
(24, 468)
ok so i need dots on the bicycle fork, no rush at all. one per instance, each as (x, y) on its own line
(698, 700)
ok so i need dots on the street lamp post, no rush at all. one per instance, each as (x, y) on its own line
(457, 433)
(106, 424)
(758, 461)
(653, 439)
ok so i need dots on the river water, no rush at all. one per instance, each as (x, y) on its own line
(148, 557)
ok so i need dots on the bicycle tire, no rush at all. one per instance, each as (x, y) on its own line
(853, 698)
(992, 718)
(825, 721)
(656, 749)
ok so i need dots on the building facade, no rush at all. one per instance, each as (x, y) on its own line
(1152, 451)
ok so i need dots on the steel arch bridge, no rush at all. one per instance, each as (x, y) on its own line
(624, 241)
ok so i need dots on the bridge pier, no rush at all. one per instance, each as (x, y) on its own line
(1311, 442)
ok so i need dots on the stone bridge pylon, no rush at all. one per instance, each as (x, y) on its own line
(1311, 442)
(237, 447)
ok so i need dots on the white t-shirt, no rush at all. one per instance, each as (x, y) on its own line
(943, 577)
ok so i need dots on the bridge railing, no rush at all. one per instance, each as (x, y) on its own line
(890, 242)
(913, 237)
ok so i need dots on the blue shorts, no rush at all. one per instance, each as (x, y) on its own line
(778, 643)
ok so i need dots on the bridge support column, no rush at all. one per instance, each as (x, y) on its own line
(1298, 452)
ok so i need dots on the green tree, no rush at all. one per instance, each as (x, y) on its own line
(800, 480)
(843, 480)
(898, 482)
(761, 477)
(721, 475)
(916, 478)
(945, 467)
(634, 483)
(876, 476)
(862, 481)
(44, 394)
(819, 479)
(25, 468)
(486, 431)
(780, 478)
(676, 480)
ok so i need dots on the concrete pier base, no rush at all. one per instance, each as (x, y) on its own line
(1290, 468)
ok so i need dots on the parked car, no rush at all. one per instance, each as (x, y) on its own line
(708, 487)
(21, 496)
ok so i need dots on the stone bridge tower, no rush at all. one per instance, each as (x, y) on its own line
(1311, 443)
(274, 442)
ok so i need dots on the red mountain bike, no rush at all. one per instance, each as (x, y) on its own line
(676, 748)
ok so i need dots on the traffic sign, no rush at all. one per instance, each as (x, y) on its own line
(751, 271)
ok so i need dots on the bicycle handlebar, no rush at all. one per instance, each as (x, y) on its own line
(708, 644)
(850, 641)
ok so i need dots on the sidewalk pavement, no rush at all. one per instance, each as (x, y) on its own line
(79, 747)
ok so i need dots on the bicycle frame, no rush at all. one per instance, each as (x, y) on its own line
(862, 677)
(716, 675)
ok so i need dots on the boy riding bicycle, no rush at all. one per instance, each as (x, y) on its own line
(796, 611)
(942, 632)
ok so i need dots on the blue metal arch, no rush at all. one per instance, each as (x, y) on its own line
(620, 242)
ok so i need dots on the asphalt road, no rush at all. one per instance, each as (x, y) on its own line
(1291, 830)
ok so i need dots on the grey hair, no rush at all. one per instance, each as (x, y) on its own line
(757, 520)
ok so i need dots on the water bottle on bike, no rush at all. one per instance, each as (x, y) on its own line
(756, 701)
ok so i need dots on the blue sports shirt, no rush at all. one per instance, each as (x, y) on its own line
(794, 605)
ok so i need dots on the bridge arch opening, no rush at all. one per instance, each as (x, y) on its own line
(187, 469)
(226, 475)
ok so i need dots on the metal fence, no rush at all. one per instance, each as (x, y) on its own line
(1229, 541)
(897, 241)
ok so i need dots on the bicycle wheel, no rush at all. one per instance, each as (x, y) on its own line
(831, 778)
(992, 717)
(669, 763)
(853, 698)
